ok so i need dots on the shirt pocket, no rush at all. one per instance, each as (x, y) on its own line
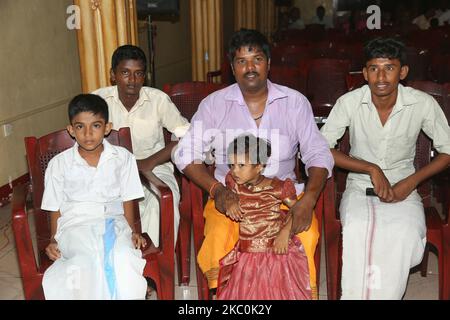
(145, 133)
(401, 148)
(77, 183)
(108, 183)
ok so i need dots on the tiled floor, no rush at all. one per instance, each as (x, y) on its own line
(11, 286)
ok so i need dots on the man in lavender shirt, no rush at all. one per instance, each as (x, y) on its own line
(276, 113)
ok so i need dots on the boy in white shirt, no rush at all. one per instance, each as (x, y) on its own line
(146, 111)
(384, 236)
(89, 190)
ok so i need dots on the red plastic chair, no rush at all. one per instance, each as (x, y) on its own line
(160, 261)
(333, 229)
(326, 82)
(187, 96)
(225, 73)
(288, 76)
(419, 62)
(442, 95)
(288, 54)
(354, 80)
(440, 68)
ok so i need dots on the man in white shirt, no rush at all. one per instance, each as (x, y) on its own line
(295, 19)
(444, 18)
(384, 236)
(321, 18)
(146, 111)
(423, 21)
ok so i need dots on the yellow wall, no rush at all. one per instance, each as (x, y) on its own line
(172, 48)
(39, 74)
(308, 8)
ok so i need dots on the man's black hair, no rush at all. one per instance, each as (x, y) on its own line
(128, 52)
(388, 48)
(258, 149)
(88, 103)
(248, 37)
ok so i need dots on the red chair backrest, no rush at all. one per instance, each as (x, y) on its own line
(419, 62)
(288, 76)
(288, 54)
(188, 95)
(440, 68)
(354, 80)
(326, 81)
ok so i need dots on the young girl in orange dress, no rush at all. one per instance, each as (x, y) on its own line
(267, 263)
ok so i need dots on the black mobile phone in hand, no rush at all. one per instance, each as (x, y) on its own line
(370, 192)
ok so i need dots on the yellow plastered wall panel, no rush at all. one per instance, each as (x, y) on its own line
(40, 74)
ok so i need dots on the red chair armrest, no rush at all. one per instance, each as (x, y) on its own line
(21, 230)
(164, 194)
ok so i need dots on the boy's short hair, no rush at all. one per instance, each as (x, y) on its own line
(128, 52)
(88, 103)
(258, 149)
(247, 37)
(388, 48)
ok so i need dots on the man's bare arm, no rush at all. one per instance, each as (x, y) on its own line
(303, 209)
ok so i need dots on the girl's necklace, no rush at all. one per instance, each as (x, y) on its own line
(260, 179)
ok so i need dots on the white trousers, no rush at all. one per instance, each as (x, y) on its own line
(149, 207)
(381, 242)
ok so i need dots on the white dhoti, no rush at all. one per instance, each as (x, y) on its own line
(381, 242)
(80, 273)
(149, 206)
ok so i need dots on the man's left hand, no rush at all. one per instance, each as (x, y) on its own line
(302, 213)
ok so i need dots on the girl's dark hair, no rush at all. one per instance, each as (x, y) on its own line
(88, 103)
(389, 48)
(258, 149)
(248, 37)
(128, 52)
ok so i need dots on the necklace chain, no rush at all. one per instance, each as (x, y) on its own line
(257, 118)
(260, 179)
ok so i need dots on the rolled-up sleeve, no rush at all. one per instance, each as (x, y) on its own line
(197, 141)
(314, 149)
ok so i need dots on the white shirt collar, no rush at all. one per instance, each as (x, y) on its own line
(108, 152)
